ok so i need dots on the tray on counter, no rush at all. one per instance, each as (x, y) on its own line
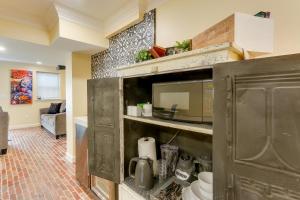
(151, 194)
(155, 193)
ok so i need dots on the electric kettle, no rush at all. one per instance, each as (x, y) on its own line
(143, 176)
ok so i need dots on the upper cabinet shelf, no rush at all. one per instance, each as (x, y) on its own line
(196, 59)
(198, 128)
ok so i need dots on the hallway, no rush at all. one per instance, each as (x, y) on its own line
(35, 168)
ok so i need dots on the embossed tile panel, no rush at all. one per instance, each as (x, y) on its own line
(124, 46)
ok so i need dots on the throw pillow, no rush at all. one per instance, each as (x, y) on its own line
(1, 109)
(54, 108)
(62, 107)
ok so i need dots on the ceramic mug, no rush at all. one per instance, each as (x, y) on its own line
(147, 110)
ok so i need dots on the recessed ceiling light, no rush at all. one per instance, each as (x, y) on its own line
(2, 48)
(39, 62)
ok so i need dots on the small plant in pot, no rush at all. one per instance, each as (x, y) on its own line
(143, 55)
(183, 46)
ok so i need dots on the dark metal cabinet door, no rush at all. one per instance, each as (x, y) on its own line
(256, 140)
(104, 128)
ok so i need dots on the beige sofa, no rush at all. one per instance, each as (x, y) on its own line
(54, 123)
(4, 120)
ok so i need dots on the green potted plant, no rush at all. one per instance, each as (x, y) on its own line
(143, 55)
(183, 46)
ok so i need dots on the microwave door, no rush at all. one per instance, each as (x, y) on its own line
(187, 96)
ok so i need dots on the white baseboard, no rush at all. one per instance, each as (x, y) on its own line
(24, 126)
(70, 158)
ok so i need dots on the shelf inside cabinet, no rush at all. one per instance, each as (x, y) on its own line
(199, 128)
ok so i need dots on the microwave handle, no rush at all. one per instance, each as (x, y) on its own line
(173, 108)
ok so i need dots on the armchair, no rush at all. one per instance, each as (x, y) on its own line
(53, 123)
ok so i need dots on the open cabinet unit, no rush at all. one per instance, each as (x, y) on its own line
(113, 134)
(193, 139)
(255, 134)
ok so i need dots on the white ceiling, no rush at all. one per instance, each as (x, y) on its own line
(25, 52)
(75, 46)
(35, 11)
(99, 9)
(30, 7)
(25, 11)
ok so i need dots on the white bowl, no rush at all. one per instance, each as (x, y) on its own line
(205, 181)
(197, 191)
(187, 194)
(206, 195)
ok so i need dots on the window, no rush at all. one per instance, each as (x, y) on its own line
(48, 85)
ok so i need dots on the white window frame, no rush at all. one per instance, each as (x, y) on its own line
(59, 86)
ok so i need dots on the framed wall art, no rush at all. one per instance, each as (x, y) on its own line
(21, 87)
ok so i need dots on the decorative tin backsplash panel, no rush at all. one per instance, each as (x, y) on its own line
(123, 47)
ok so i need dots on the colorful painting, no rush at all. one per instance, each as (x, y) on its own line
(21, 87)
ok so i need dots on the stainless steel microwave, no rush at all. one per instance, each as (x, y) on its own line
(190, 101)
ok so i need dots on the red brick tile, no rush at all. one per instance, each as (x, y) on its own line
(35, 168)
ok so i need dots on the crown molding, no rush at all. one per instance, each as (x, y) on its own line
(51, 18)
(76, 17)
(129, 15)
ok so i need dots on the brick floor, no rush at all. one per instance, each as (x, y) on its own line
(35, 168)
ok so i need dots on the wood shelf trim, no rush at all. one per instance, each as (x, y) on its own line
(196, 59)
(209, 49)
(198, 128)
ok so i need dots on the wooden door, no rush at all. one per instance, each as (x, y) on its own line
(256, 140)
(104, 128)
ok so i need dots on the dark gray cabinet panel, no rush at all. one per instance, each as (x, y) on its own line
(104, 128)
(256, 141)
(82, 172)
